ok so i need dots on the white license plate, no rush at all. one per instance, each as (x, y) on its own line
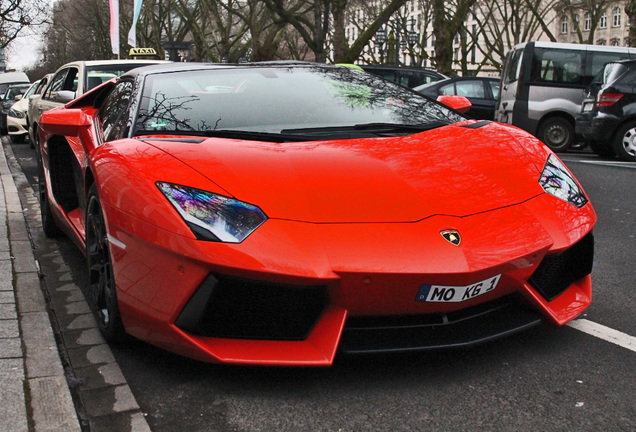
(453, 294)
(588, 106)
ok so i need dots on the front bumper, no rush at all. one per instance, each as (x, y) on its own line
(16, 126)
(597, 127)
(296, 293)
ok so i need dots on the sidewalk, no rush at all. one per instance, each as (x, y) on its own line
(34, 393)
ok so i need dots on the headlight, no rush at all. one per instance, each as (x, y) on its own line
(213, 217)
(557, 180)
(16, 114)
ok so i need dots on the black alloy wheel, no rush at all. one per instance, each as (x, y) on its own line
(102, 289)
(625, 142)
(557, 133)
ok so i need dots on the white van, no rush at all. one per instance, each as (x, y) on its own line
(9, 78)
(543, 85)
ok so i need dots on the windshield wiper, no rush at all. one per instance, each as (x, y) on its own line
(373, 128)
(229, 133)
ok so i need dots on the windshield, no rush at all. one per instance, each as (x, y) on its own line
(279, 99)
(98, 74)
(14, 91)
(610, 72)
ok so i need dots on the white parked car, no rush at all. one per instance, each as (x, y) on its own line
(16, 116)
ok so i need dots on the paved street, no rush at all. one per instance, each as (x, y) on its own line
(575, 378)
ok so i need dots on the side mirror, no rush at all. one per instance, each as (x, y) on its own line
(17, 97)
(64, 96)
(66, 122)
(458, 103)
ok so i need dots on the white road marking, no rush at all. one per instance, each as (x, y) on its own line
(600, 331)
(621, 164)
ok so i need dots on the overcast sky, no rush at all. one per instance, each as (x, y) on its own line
(23, 51)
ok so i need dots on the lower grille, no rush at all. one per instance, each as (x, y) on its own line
(463, 328)
(558, 271)
(235, 308)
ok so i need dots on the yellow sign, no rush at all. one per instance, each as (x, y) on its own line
(142, 51)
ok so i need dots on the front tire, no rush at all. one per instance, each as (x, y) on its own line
(49, 226)
(557, 133)
(102, 289)
(625, 142)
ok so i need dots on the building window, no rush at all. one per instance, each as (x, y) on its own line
(615, 42)
(564, 24)
(587, 23)
(603, 22)
(616, 20)
(600, 42)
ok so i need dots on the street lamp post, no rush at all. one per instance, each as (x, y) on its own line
(398, 28)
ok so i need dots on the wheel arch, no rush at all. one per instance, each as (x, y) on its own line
(552, 114)
(619, 126)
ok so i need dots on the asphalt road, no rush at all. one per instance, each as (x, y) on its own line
(545, 379)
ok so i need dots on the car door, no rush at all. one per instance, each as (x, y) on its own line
(62, 84)
(475, 90)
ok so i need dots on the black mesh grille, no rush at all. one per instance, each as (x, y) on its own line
(246, 309)
(558, 271)
(463, 328)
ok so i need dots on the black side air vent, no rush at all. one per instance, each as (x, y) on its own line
(477, 125)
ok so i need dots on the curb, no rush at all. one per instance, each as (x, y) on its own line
(36, 396)
(63, 377)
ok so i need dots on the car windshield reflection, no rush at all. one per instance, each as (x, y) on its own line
(276, 99)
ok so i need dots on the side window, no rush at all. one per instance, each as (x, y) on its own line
(41, 86)
(71, 80)
(513, 66)
(111, 114)
(57, 83)
(474, 89)
(494, 88)
(448, 89)
(596, 61)
(555, 66)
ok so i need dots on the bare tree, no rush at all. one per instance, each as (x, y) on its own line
(79, 31)
(503, 24)
(594, 9)
(630, 9)
(16, 15)
(448, 21)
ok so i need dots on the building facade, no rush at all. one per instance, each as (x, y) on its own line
(490, 30)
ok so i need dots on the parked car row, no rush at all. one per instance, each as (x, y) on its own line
(73, 80)
(542, 83)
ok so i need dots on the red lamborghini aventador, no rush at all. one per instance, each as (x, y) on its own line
(279, 213)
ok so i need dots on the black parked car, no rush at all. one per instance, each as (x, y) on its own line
(482, 93)
(406, 76)
(608, 113)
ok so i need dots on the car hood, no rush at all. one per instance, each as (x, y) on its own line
(454, 170)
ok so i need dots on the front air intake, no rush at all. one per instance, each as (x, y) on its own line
(228, 307)
(558, 271)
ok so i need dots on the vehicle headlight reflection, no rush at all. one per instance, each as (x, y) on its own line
(557, 180)
(213, 217)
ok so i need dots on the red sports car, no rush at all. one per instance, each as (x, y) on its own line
(279, 213)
